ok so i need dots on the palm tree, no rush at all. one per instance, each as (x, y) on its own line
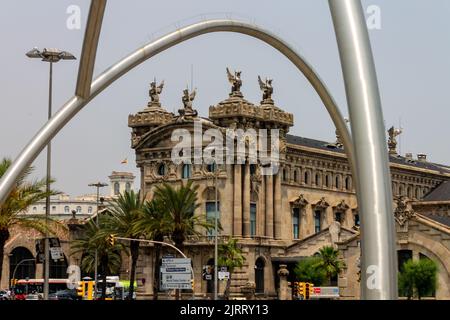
(330, 262)
(230, 256)
(124, 212)
(307, 270)
(23, 195)
(153, 224)
(179, 206)
(95, 239)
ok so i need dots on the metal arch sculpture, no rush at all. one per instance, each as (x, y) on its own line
(76, 103)
(371, 172)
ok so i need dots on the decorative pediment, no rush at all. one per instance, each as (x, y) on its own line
(402, 213)
(300, 202)
(322, 204)
(342, 206)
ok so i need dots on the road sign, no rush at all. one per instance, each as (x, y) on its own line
(325, 292)
(57, 253)
(177, 269)
(176, 261)
(223, 275)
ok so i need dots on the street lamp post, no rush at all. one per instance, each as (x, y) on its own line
(216, 255)
(98, 185)
(51, 56)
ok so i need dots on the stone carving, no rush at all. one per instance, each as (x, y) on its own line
(402, 213)
(267, 89)
(300, 202)
(155, 91)
(236, 82)
(392, 142)
(342, 206)
(335, 231)
(322, 204)
(187, 112)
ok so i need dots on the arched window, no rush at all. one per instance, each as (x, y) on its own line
(317, 179)
(348, 183)
(284, 174)
(337, 182)
(162, 169)
(338, 216)
(127, 187)
(78, 209)
(252, 219)
(252, 168)
(89, 209)
(295, 175)
(116, 188)
(296, 223)
(306, 178)
(66, 209)
(210, 208)
(317, 221)
(186, 171)
(259, 275)
(211, 167)
(409, 192)
(327, 181)
(403, 256)
(418, 193)
(26, 269)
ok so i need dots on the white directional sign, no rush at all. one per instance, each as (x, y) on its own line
(56, 253)
(176, 273)
(223, 275)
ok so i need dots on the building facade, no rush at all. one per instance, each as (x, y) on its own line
(280, 219)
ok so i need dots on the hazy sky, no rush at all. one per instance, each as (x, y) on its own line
(412, 55)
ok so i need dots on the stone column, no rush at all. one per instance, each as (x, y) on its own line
(261, 212)
(277, 206)
(304, 221)
(328, 217)
(284, 292)
(237, 212)
(269, 205)
(246, 201)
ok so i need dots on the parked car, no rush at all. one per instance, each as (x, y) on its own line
(67, 294)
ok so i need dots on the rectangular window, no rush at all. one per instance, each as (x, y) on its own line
(296, 222)
(253, 219)
(186, 174)
(210, 215)
(338, 217)
(317, 221)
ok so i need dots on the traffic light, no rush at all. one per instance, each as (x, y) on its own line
(307, 290)
(111, 239)
(301, 290)
(311, 288)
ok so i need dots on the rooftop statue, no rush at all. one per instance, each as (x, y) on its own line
(155, 91)
(266, 88)
(392, 143)
(235, 81)
(187, 111)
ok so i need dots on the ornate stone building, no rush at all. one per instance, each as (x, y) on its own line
(282, 218)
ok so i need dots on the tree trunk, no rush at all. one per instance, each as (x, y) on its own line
(105, 274)
(134, 248)
(4, 236)
(156, 272)
(226, 294)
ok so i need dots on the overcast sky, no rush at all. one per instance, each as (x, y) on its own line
(411, 50)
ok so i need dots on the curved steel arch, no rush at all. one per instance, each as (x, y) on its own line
(76, 103)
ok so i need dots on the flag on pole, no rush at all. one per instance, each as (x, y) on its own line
(124, 161)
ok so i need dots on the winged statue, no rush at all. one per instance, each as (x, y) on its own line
(235, 81)
(155, 91)
(188, 98)
(266, 88)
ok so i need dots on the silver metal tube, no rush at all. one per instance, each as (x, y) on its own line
(76, 103)
(96, 252)
(378, 263)
(47, 199)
